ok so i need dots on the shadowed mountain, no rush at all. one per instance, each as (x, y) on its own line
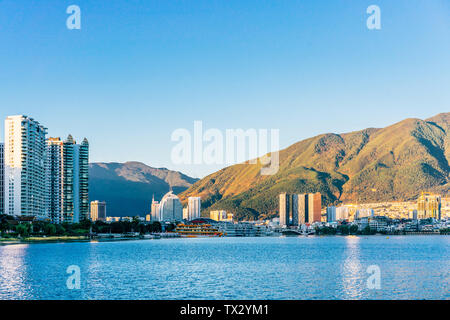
(128, 187)
(392, 163)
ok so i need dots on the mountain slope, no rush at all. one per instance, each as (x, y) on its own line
(392, 163)
(128, 187)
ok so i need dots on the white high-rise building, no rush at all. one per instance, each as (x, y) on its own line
(155, 216)
(342, 213)
(2, 179)
(194, 208)
(67, 169)
(24, 153)
(170, 208)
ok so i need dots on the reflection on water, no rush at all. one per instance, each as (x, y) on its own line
(412, 267)
(13, 272)
(352, 270)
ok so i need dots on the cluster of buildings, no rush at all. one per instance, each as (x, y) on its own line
(427, 206)
(221, 215)
(170, 209)
(299, 209)
(304, 212)
(45, 178)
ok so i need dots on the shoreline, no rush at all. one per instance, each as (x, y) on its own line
(62, 239)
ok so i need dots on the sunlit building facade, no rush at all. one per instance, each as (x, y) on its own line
(194, 208)
(314, 207)
(285, 209)
(221, 215)
(429, 206)
(155, 210)
(98, 211)
(24, 167)
(170, 208)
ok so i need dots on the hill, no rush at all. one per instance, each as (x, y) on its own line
(374, 164)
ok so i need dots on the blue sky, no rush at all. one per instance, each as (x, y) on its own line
(138, 70)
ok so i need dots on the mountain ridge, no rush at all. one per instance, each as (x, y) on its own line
(373, 164)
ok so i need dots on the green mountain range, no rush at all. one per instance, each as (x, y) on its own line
(128, 187)
(374, 164)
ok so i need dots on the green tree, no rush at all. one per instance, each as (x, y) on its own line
(23, 229)
(353, 229)
(49, 229)
(343, 229)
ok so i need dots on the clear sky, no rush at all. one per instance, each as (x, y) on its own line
(138, 70)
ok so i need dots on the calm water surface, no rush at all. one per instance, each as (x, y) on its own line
(412, 267)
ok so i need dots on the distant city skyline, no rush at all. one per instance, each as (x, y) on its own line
(134, 73)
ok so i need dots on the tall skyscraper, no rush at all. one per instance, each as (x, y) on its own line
(294, 214)
(302, 208)
(314, 207)
(285, 209)
(331, 214)
(98, 210)
(24, 156)
(155, 210)
(2, 179)
(67, 180)
(53, 180)
(170, 208)
(194, 208)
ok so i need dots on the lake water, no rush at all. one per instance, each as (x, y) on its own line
(411, 267)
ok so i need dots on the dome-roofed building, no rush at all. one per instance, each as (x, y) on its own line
(170, 208)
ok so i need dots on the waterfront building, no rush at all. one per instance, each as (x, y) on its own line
(112, 219)
(378, 223)
(429, 206)
(148, 218)
(331, 214)
(342, 213)
(170, 208)
(194, 208)
(67, 180)
(2, 179)
(364, 213)
(155, 210)
(294, 210)
(220, 215)
(412, 214)
(445, 207)
(98, 210)
(314, 207)
(285, 209)
(298, 209)
(24, 169)
(185, 213)
(302, 208)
